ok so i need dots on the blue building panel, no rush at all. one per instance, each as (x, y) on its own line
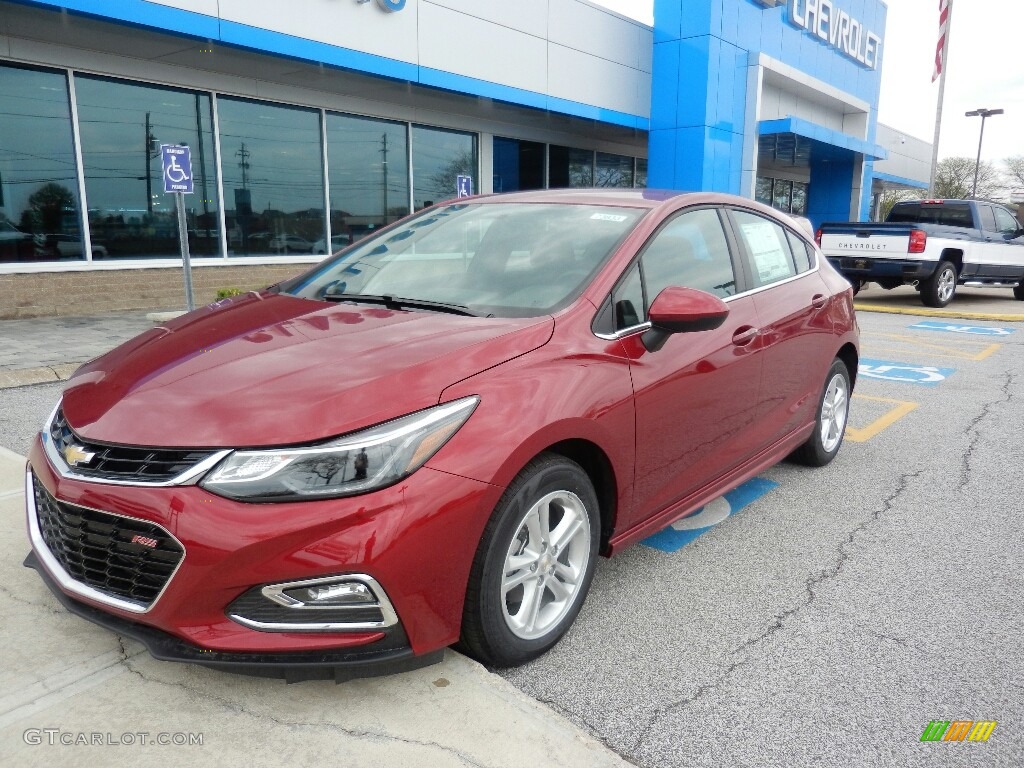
(694, 18)
(667, 20)
(665, 90)
(661, 151)
(694, 73)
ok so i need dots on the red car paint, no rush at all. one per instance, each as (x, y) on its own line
(665, 431)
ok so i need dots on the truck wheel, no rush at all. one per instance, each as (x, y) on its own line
(1018, 291)
(938, 290)
(857, 284)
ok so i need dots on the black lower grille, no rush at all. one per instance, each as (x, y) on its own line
(119, 556)
(121, 462)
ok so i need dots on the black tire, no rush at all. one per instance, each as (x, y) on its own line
(487, 633)
(819, 451)
(1018, 291)
(939, 289)
(856, 284)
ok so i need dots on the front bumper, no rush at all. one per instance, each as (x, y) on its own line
(867, 268)
(416, 539)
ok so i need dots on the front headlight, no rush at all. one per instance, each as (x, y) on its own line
(357, 463)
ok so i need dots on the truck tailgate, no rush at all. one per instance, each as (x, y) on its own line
(873, 240)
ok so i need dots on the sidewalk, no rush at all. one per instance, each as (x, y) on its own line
(46, 349)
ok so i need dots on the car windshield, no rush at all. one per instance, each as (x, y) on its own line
(500, 259)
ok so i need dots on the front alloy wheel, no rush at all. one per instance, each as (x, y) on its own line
(534, 564)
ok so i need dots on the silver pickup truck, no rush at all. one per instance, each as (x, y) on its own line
(933, 245)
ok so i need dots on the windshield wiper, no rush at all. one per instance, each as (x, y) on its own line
(397, 302)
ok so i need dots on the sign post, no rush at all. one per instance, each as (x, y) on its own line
(177, 166)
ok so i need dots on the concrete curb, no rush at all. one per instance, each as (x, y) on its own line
(950, 313)
(47, 374)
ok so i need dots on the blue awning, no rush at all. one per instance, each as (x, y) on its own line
(824, 135)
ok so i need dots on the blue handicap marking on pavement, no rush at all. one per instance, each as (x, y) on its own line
(682, 532)
(970, 330)
(907, 373)
(177, 166)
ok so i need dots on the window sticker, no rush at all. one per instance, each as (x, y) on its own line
(608, 217)
(770, 258)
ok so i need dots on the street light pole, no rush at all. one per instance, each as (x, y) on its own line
(982, 113)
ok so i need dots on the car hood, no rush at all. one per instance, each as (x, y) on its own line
(271, 369)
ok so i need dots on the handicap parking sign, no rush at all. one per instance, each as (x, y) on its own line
(177, 164)
(464, 186)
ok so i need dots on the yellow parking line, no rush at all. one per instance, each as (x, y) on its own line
(863, 434)
(946, 349)
(1001, 317)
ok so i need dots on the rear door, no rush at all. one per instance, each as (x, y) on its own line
(792, 303)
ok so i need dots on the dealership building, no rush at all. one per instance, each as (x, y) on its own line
(313, 123)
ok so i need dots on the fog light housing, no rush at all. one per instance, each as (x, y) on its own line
(349, 603)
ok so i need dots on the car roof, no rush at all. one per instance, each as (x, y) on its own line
(617, 196)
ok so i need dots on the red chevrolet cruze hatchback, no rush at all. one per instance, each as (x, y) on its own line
(429, 437)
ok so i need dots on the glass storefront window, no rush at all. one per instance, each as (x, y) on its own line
(799, 198)
(272, 165)
(518, 165)
(782, 195)
(641, 172)
(763, 190)
(613, 170)
(122, 126)
(568, 167)
(369, 175)
(39, 207)
(438, 157)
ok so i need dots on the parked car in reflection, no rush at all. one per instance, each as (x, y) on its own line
(15, 245)
(69, 246)
(431, 437)
(337, 243)
(289, 244)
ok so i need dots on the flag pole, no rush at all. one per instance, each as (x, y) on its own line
(942, 93)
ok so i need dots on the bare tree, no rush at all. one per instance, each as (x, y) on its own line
(954, 179)
(890, 197)
(1013, 167)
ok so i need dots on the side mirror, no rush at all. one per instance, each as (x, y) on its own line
(682, 310)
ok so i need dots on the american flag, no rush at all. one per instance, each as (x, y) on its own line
(943, 30)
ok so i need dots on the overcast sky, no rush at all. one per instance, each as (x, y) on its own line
(986, 49)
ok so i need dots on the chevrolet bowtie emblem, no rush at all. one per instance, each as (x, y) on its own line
(76, 454)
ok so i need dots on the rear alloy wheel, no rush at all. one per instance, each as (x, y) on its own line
(830, 427)
(534, 564)
(938, 290)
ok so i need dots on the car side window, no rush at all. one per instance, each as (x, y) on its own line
(767, 248)
(1005, 223)
(628, 300)
(690, 251)
(988, 220)
(803, 254)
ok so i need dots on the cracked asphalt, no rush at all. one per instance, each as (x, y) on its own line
(825, 624)
(831, 620)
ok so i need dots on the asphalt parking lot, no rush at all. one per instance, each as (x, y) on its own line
(825, 621)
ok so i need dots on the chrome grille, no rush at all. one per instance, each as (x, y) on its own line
(121, 462)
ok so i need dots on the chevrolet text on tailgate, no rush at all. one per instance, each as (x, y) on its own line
(933, 245)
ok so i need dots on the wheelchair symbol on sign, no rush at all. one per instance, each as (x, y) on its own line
(924, 374)
(175, 173)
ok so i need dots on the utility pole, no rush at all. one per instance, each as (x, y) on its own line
(149, 154)
(384, 165)
(244, 164)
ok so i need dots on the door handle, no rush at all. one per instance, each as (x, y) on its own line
(818, 301)
(744, 336)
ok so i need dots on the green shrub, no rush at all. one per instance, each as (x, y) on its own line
(226, 293)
